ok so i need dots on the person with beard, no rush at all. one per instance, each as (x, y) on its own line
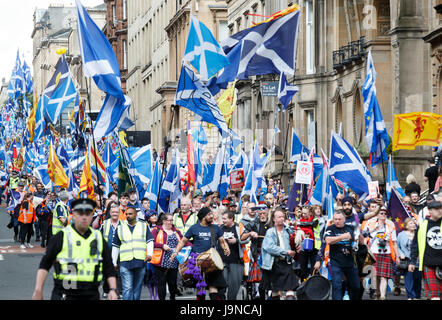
(359, 248)
(201, 235)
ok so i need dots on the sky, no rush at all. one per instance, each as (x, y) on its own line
(16, 25)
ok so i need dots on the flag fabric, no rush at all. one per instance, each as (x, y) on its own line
(397, 211)
(41, 172)
(59, 93)
(295, 197)
(298, 150)
(141, 163)
(212, 176)
(30, 125)
(55, 169)
(286, 91)
(268, 48)
(98, 57)
(170, 193)
(312, 181)
(416, 129)
(227, 104)
(124, 178)
(203, 51)
(193, 95)
(347, 166)
(376, 134)
(16, 86)
(39, 121)
(63, 156)
(27, 76)
(86, 182)
(154, 186)
(113, 115)
(392, 181)
(190, 158)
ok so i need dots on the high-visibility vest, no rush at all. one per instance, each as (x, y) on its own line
(27, 216)
(107, 224)
(133, 244)
(13, 183)
(76, 253)
(122, 216)
(57, 225)
(178, 222)
(422, 241)
(30, 188)
(317, 235)
(158, 252)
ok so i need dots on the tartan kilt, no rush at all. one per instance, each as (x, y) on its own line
(433, 285)
(255, 274)
(384, 265)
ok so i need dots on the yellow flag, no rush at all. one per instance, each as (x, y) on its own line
(31, 120)
(55, 169)
(227, 103)
(122, 136)
(86, 182)
(416, 129)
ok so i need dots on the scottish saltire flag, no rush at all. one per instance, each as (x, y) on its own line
(98, 57)
(286, 91)
(29, 84)
(208, 173)
(330, 204)
(347, 166)
(15, 200)
(184, 254)
(16, 86)
(59, 93)
(376, 134)
(392, 181)
(114, 115)
(228, 74)
(65, 162)
(154, 185)
(268, 48)
(170, 193)
(41, 172)
(141, 166)
(203, 51)
(298, 150)
(193, 95)
(213, 180)
(250, 185)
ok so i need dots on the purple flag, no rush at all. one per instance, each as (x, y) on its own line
(398, 213)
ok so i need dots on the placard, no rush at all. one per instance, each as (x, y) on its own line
(304, 172)
(237, 179)
(373, 189)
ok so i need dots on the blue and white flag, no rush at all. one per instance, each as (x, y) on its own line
(215, 175)
(376, 134)
(392, 181)
(286, 91)
(41, 172)
(193, 95)
(114, 115)
(16, 86)
(99, 60)
(347, 166)
(203, 51)
(170, 193)
(141, 166)
(268, 48)
(65, 162)
(27, 75)
(298, 150)
(59, 93)
(154, 185)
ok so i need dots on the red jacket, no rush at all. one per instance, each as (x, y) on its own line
(308, 230)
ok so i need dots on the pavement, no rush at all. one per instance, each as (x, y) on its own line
(18, 269)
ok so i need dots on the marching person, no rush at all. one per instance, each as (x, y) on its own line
(133, 245)
(185, 218)
(201, 233)
(426, 249)
(60, 214)
(80, 259)
(277, 258)
(26, 219)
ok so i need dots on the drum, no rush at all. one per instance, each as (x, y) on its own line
(316, 287)
(210, 261)
(370, 259)
(188, 280)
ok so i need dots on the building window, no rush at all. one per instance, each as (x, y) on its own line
(309, 37)
(223, 31)
(114, 15)
(311, 128)
(124, 54)
(124, 9)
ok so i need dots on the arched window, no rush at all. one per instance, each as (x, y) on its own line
(358, 118)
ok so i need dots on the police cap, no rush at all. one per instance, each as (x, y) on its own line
(83, 205)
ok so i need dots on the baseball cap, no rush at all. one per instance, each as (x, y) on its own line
(435, 205)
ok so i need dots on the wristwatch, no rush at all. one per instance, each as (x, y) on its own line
(114, 289)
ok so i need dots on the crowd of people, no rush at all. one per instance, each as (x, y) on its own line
(230, 248)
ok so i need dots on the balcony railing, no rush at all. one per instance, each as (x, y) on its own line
(346, 55)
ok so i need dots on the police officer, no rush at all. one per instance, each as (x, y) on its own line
(80, 257)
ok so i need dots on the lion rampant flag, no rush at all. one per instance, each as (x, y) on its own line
(55, 169)
(86, 182)
(416, 129)
(227, 104)
(30, 125)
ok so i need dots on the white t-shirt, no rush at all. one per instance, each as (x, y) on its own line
(385, 232)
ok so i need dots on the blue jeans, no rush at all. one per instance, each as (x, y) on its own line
(132, 281)
(351, 273)
(413, 284)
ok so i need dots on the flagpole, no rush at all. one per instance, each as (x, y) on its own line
(284, 153)
(93, 141)
(383, 166)
(166, 150)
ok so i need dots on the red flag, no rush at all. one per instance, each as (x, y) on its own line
(190, 158)
(312, 182)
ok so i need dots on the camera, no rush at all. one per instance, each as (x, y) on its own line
(382, 243)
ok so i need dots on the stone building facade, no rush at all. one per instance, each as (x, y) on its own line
(333, 39)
